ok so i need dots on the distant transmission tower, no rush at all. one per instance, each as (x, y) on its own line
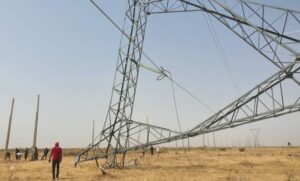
(255, 133)
(248, 142)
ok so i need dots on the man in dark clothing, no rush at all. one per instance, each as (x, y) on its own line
(35, 154)
(151, 150)
(56, 154)
(7, 156)
(17, 151)
(44, 157)
(26, 151)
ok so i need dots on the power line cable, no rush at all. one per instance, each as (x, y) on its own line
(221, 51)
(177, 117)
(108, 17)
(163, 73)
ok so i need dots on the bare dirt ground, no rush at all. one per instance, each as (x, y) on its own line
(252, 164)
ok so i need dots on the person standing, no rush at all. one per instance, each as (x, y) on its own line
(7, 156)
(144, 151)
(56, 154)
(17, 153)
(26, 151)
(44, 157)
(151, 150)
(35, 154)
(157, 150)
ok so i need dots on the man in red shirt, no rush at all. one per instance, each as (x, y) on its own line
(56, 154)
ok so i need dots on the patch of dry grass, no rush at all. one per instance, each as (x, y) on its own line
(252, 164)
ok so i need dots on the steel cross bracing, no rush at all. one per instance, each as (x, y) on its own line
(265, 28)
(269, 35)
(125, 83)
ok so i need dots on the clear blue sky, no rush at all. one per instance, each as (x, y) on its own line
(66, 51)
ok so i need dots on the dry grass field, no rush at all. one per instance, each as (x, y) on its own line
(252, 164)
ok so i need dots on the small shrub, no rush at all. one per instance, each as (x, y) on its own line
(223, 149)
(242, 149)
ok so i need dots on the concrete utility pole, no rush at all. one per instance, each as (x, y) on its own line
(214, 140)
(221, 142)
(188, 141)
(35, 128)
(207, 142)
(8, 129)
(93, 133)
(176, 146)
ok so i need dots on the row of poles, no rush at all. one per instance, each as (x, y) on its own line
(235, 142)
(250, 142)
(35, 128)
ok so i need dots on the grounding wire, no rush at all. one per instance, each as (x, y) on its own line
(175, 105)
(167, 74)
(178, 119)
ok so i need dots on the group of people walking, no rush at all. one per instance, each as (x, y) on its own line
(55, 157)
(35, 154)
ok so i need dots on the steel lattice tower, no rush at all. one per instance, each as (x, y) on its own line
(250, 22)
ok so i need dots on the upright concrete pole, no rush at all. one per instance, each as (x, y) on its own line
(93, 134)
(188, 141)
(214, 140)
(221, 142)
(8, 129)
(207, 141)
(35, 128)
(176, 146)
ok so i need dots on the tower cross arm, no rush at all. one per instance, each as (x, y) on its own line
(263, 27)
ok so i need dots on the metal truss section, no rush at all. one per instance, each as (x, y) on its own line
(141, 135)
(115, 132)
(266, 100)
(268, 29)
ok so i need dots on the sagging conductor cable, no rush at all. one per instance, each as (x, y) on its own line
(164, 73)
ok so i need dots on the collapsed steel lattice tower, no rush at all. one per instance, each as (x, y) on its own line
(250, 21)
